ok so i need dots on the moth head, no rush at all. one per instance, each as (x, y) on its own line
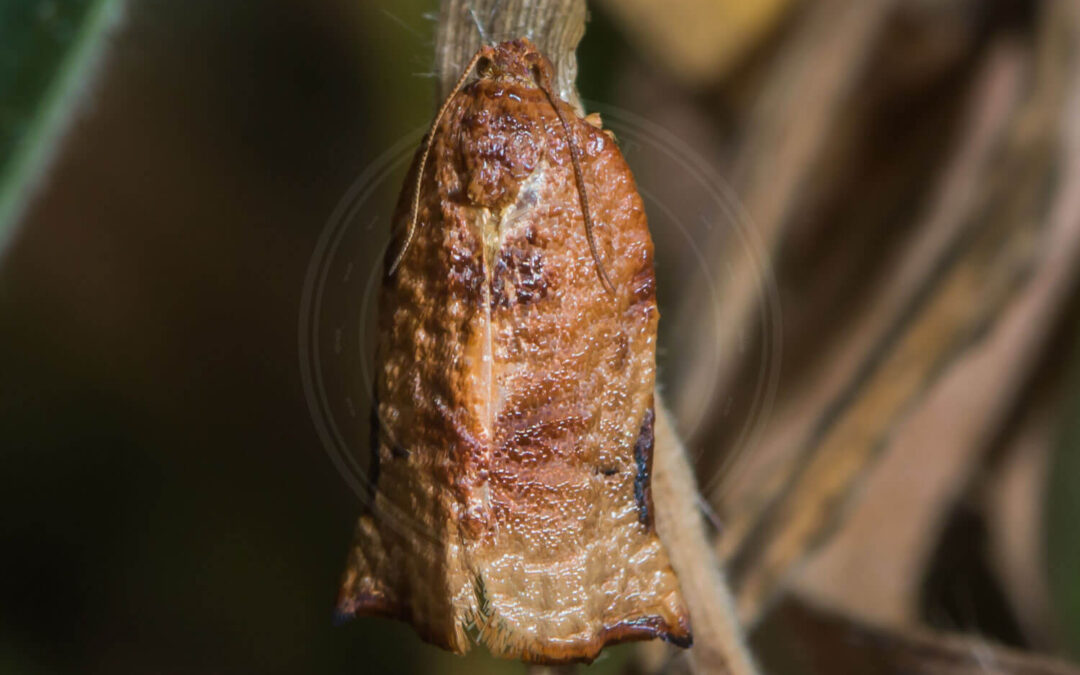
(518, 60)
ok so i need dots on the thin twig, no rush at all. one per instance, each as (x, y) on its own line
(555, 26)
(718, 644)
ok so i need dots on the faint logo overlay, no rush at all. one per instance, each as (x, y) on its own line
(337, 335)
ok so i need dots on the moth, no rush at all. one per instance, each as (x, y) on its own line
(513, 426)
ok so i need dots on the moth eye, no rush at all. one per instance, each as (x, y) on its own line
(483, 66)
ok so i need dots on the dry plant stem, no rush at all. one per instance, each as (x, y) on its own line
(556, 27)
(814, 75)
(866, 569)
(851, 647)
(757, 477)
(1014, 502)
(718, 644)
(1028, 217)
(939, 444)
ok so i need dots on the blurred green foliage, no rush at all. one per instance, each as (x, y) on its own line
(48, 48)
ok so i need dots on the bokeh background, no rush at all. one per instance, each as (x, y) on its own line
(167, 506)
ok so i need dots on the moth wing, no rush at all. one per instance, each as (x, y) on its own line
(572, 561)
(405, 562)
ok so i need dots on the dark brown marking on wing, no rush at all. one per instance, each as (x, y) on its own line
(376, 439)
(633, 630)
(466, 275)
(536, 439)
(647, 628)
(643, 452)
(518, 277)
(644, 286)
(498, 145)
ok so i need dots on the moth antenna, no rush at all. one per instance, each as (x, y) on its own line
(580, 180)
(424, 157)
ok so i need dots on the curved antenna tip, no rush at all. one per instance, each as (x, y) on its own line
(424, 157)
(545, 85)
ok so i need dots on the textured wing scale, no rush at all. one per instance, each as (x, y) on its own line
(516, 400)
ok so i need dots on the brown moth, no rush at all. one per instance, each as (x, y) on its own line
(513, 430)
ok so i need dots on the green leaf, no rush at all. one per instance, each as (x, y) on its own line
(49, 49)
